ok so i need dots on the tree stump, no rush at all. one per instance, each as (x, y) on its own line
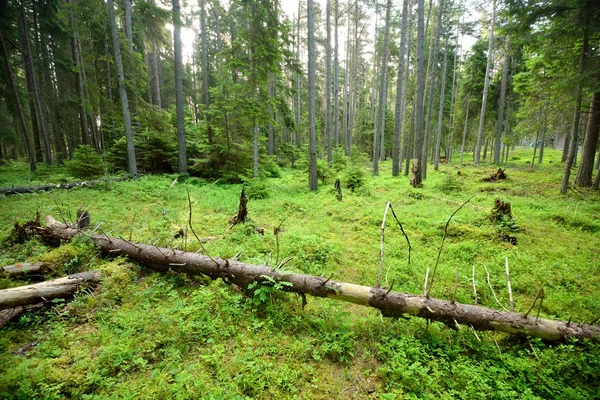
(337, 185)
(500, 175)
(502, 210)
(242, 214)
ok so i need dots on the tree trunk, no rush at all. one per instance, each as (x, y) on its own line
(438, 138)
(391, 304)
(431, 81)
(85, 134)
(22, 269)
(336, 86)
(312, 135)
(418, 103)
(577, 113)
(182, 152)
(455, 84)
(400, 94)
(15, 90)
(464, 137)
(543, 140)
(55, 289)
(41, 119)
(155, 74)
(590, 142)
(486, 85)
(501, 102)
(128, 26)
(204, 72)
(378, 143)
(123, 92)
(328, 83)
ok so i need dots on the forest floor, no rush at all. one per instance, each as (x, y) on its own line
(146, 335)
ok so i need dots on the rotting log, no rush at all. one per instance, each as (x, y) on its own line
(391, 304)
(54, 289)
(44, 188)
(22, 269)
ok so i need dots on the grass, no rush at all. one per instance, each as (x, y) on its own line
(145, 335)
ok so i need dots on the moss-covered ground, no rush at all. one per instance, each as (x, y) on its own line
(145, 335)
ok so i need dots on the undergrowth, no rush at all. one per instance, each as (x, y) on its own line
(145, 335)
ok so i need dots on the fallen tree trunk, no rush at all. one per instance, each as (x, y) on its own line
(22, 269)
(391, 304)
(43, 188)
(55, 289)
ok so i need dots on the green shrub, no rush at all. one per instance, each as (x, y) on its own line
(86, 163)
(257, 188)
(354, 177)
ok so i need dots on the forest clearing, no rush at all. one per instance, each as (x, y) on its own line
(152, 335)
(305, 199)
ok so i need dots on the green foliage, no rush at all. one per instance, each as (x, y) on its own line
(450, 184)
(257, 188)
(86, 163)
(147, 335)
(262, 292)
(354, 176)
(323, 171)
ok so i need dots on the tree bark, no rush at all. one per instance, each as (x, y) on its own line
(85, 134)
(501, 102)
(590, 142)
(41, 119)
(328, 82)
(182, 152)
(15, 90)
(205, 71)
(378, 143)
(391, 304)
(123, 92)
(577, 113)
(438, 138)
(400, 93)
(336, 86)
(486, 86)
(22, 269)
(430, 82)
(312, 167)
(55, 289)
(418, 103)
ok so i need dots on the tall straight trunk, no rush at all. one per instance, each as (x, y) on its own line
(543, 140)
(379, 147)
(431, 81)
(450, 148)
(312, 166)
(406, 139)
(328, 82)
(374, 84)
(438, 139)
(464, 137)
(15, 90)
(155, 74)
(298, 83)
(499, 125)
(41, 118)
(486, 86)
(417, 161)
(108, 84)
(128, 26)
(577, 113)
(122, 91)
(400, 94)
(346, 91)
(590, 142)
(179, 88)
(205, 71)
(83, 123)
(336, 86)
